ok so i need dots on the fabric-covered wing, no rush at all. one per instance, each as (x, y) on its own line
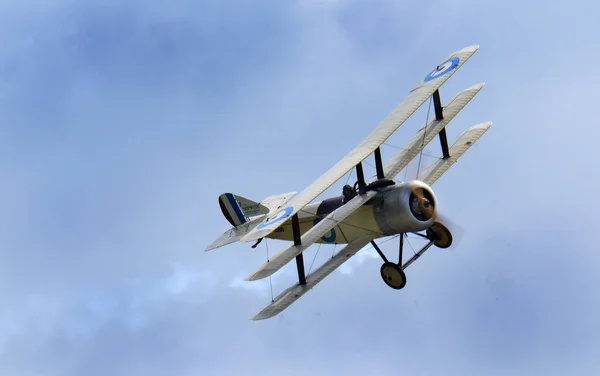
(433, 172)
(426, 133)
(404, 110)
(293, 293)
(330, 221)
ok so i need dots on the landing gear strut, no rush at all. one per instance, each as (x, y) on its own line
(393, 273)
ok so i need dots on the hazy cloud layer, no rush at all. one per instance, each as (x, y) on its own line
(121, 123)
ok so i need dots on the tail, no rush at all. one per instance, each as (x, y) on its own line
(240, 211)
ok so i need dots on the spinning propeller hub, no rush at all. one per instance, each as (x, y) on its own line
(421, 204)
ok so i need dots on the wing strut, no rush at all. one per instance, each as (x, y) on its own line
(360, 176)
(379, 164)
(298, 241)
(439, 115)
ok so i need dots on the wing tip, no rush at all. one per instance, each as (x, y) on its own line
(261, 316)
(473, 47)
(484, 125)
(477, 127)
(469, 50)
(478, 86)
(259, 274)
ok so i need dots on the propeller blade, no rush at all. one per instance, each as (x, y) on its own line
(456, 230)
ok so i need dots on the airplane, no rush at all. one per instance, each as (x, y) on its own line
(368, 210)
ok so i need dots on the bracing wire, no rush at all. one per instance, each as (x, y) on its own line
(314, 258)
(403, 148)
(270, 280)
(424, 134)
(410, 245)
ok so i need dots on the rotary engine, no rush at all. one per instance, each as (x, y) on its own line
(405, 207)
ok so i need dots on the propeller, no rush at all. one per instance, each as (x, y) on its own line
(422, 204)
(456, 230)
(423, 207)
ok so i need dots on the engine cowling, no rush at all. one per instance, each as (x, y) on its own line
(405, 207)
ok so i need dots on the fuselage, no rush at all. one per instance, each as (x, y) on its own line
(395, 209)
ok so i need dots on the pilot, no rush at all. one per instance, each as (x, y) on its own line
(348, 193)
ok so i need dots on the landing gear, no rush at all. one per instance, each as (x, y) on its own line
(393, 273)
(441, 236)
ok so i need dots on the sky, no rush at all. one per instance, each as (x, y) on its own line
(122, 121)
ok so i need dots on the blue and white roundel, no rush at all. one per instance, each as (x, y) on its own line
(280, 215)
(328, 238)
(443, 68)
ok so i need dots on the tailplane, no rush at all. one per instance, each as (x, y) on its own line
(244, 215)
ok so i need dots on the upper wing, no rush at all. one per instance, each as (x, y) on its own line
(429, 131)
(290, 295)
(433, 172)
(402, 112)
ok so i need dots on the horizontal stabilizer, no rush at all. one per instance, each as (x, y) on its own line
(234, 234)
(433, 172)
(426, 133)
(330, 221)
(293, 293)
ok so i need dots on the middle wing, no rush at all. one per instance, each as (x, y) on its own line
(287, 254)
(403, 111)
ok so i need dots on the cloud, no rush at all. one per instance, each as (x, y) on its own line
(123, 121)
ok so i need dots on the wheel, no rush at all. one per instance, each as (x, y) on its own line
(441, 236)
(393, 275)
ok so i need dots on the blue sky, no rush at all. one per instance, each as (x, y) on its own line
(122, 121)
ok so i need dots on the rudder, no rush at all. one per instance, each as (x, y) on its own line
(237, 209)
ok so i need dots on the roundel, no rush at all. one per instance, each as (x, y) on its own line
(328, 238)
(278, 216)
(442, 69)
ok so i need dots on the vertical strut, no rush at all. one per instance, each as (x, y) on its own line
(379, 164)
(300, 266)
(360, 176)
(439, 115)
(298, 241)
(437, 105)
(400, 249)
(296, 229)
(444, 143)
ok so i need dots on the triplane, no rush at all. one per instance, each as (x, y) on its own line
(369, 209)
